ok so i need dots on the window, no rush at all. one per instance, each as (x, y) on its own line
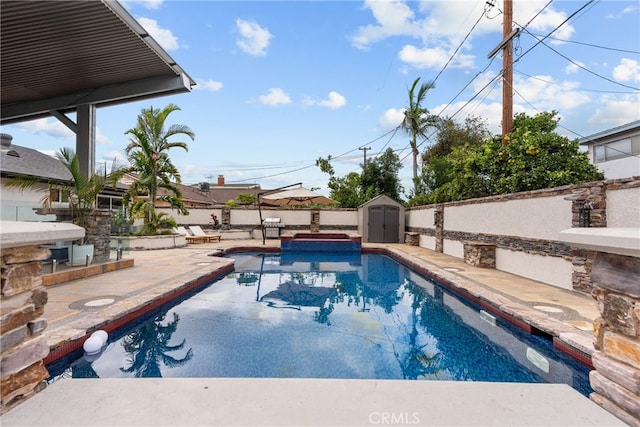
(612, 150)
(57, 195)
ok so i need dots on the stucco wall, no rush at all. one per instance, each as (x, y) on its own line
(552, 270)
(337, 218)
(420, 218)
(538, 218)
(453, 247)
(623, 207)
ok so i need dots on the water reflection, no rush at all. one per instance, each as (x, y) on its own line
(328, 316)
(148, 347)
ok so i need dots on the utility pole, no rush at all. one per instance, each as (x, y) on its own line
(365, 149)
(507, 68)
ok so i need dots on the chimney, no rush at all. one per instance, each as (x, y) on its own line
(5, 139)
(220, 180)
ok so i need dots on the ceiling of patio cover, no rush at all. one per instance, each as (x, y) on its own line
(56, 55)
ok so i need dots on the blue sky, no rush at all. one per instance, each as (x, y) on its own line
(283, 83)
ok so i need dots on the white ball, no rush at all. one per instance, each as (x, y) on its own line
(92, 345)
(103, 335)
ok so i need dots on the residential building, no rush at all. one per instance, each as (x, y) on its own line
(616, 151)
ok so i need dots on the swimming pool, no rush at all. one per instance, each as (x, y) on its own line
(325, 316)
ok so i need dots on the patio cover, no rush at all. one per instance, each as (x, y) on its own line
(58, 57)
(297, 196)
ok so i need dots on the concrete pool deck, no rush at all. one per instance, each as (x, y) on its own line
(77, 307)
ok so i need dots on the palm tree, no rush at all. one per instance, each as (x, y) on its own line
(148, 347)
(416, 122)
(149, 160)
(82, 190)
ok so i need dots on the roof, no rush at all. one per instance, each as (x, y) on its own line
(56, 55)
(610, 132)
(17, 160)
(224, 194)
(381, 199)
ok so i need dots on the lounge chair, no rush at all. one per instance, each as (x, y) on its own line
(200, 236)
(181, 230)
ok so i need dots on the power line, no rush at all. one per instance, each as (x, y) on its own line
(570, 130)
(581, 89)
(577, 64)
(589, 44)
(313, 164)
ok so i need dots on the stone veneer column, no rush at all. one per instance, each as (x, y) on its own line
(588, 202)
(616, 380)
(315, 220)
(22, 345)
(225, 219)
(22, 300)
(99, 234)
(438, 222)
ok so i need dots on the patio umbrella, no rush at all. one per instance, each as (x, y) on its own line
(297, 196)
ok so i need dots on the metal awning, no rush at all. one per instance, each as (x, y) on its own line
(57, 55)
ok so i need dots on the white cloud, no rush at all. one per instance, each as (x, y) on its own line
(616, 110)
(147, 4)
(392, 18)
(433, 58)
(163, 36)
(546, 95)
(108, 158)
(334, 101)
(627, 70)
(276, 96)
(573, 68)
(441, 25)
(51, 127)
(254, 40)
(391, 118)
(210, 85)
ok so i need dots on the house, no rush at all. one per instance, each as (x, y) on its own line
(221, 192)
(23, 204)
(616, 151)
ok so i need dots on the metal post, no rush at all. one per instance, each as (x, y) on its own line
(54, 265)
(86, 261)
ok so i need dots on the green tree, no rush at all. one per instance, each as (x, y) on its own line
(344, 190)
(416, 122)
(149, 159)
(82, 190)
(450, 134)
(536, 157)
(379, 176)
(246, 198)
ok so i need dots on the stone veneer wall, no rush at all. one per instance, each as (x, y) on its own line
(99, 234)
(616, 379)
(589, 195)
(22, 344)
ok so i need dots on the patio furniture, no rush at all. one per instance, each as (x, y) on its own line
(199, 236)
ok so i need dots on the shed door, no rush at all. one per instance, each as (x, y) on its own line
(384, 221)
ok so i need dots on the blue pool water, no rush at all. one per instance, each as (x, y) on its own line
(325, 316)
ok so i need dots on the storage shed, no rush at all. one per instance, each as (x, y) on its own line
(381, 220)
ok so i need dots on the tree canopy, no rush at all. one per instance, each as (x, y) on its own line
(149, 159)
(417, 121)
(536, 157)
(379, 176)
